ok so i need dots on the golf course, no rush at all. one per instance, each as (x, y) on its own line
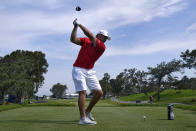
(59, 115)
(91, 65)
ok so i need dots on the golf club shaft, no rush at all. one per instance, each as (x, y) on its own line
(76, 10)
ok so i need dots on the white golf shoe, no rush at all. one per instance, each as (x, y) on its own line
(86, 121)
(89, 115)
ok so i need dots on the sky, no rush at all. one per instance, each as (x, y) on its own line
(144, 33)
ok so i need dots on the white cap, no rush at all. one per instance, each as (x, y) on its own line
(104, 33)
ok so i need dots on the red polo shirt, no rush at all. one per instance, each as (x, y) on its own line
(88, 54)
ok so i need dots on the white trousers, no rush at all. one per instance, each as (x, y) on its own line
(84, 79)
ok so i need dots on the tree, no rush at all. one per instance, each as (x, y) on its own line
(133, 81)
(117, 84)
(25, 70)
(151, 85)
(186, 83)
(58, 90)
(163, 69)
(105, 84)
(115, 88)
(4, 79)
(189, 59)
(141, 78)
(170, 82)
(130, 81)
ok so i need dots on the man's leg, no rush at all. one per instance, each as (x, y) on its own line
(81, 103)
(94, 100)
(80, 86)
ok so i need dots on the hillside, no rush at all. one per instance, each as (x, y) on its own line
(167, 96)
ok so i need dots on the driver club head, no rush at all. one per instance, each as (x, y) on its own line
(78, 8)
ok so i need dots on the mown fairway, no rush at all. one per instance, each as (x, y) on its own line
(109, 119)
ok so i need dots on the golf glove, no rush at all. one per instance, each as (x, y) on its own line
(76, 23)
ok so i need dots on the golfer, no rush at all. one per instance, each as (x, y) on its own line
(83, 74)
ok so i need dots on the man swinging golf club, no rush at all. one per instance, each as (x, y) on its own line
(83, 74)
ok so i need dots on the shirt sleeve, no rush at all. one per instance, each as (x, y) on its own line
(100, 46)
(83, 41)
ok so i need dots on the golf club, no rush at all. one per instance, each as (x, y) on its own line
(78, 8)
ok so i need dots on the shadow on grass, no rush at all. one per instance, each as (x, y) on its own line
(163, 119)
(41, 121)
(192, 126)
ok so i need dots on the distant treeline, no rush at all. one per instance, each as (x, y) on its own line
(21, 74)
(159, 78)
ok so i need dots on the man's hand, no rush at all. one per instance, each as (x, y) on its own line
(74, 39)
(86, 32)
(75, 22)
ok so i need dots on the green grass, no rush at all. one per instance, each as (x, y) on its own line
(9, 107)
(51, 118)
(178, 95)
(105, 103)
(186, 107)
(59, 102)
(57, 115)
(135, 97)
(167, 96)
(71, 102)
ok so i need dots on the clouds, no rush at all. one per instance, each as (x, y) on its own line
(179, 42)
(24, 28)
(155, 47)
(44, 4)
(110, 13)
(27, 24)
(191, 28)
(46, 25)
(114, 13)
(22, 24)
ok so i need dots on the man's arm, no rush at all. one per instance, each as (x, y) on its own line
(88, 34)
(74, 38)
